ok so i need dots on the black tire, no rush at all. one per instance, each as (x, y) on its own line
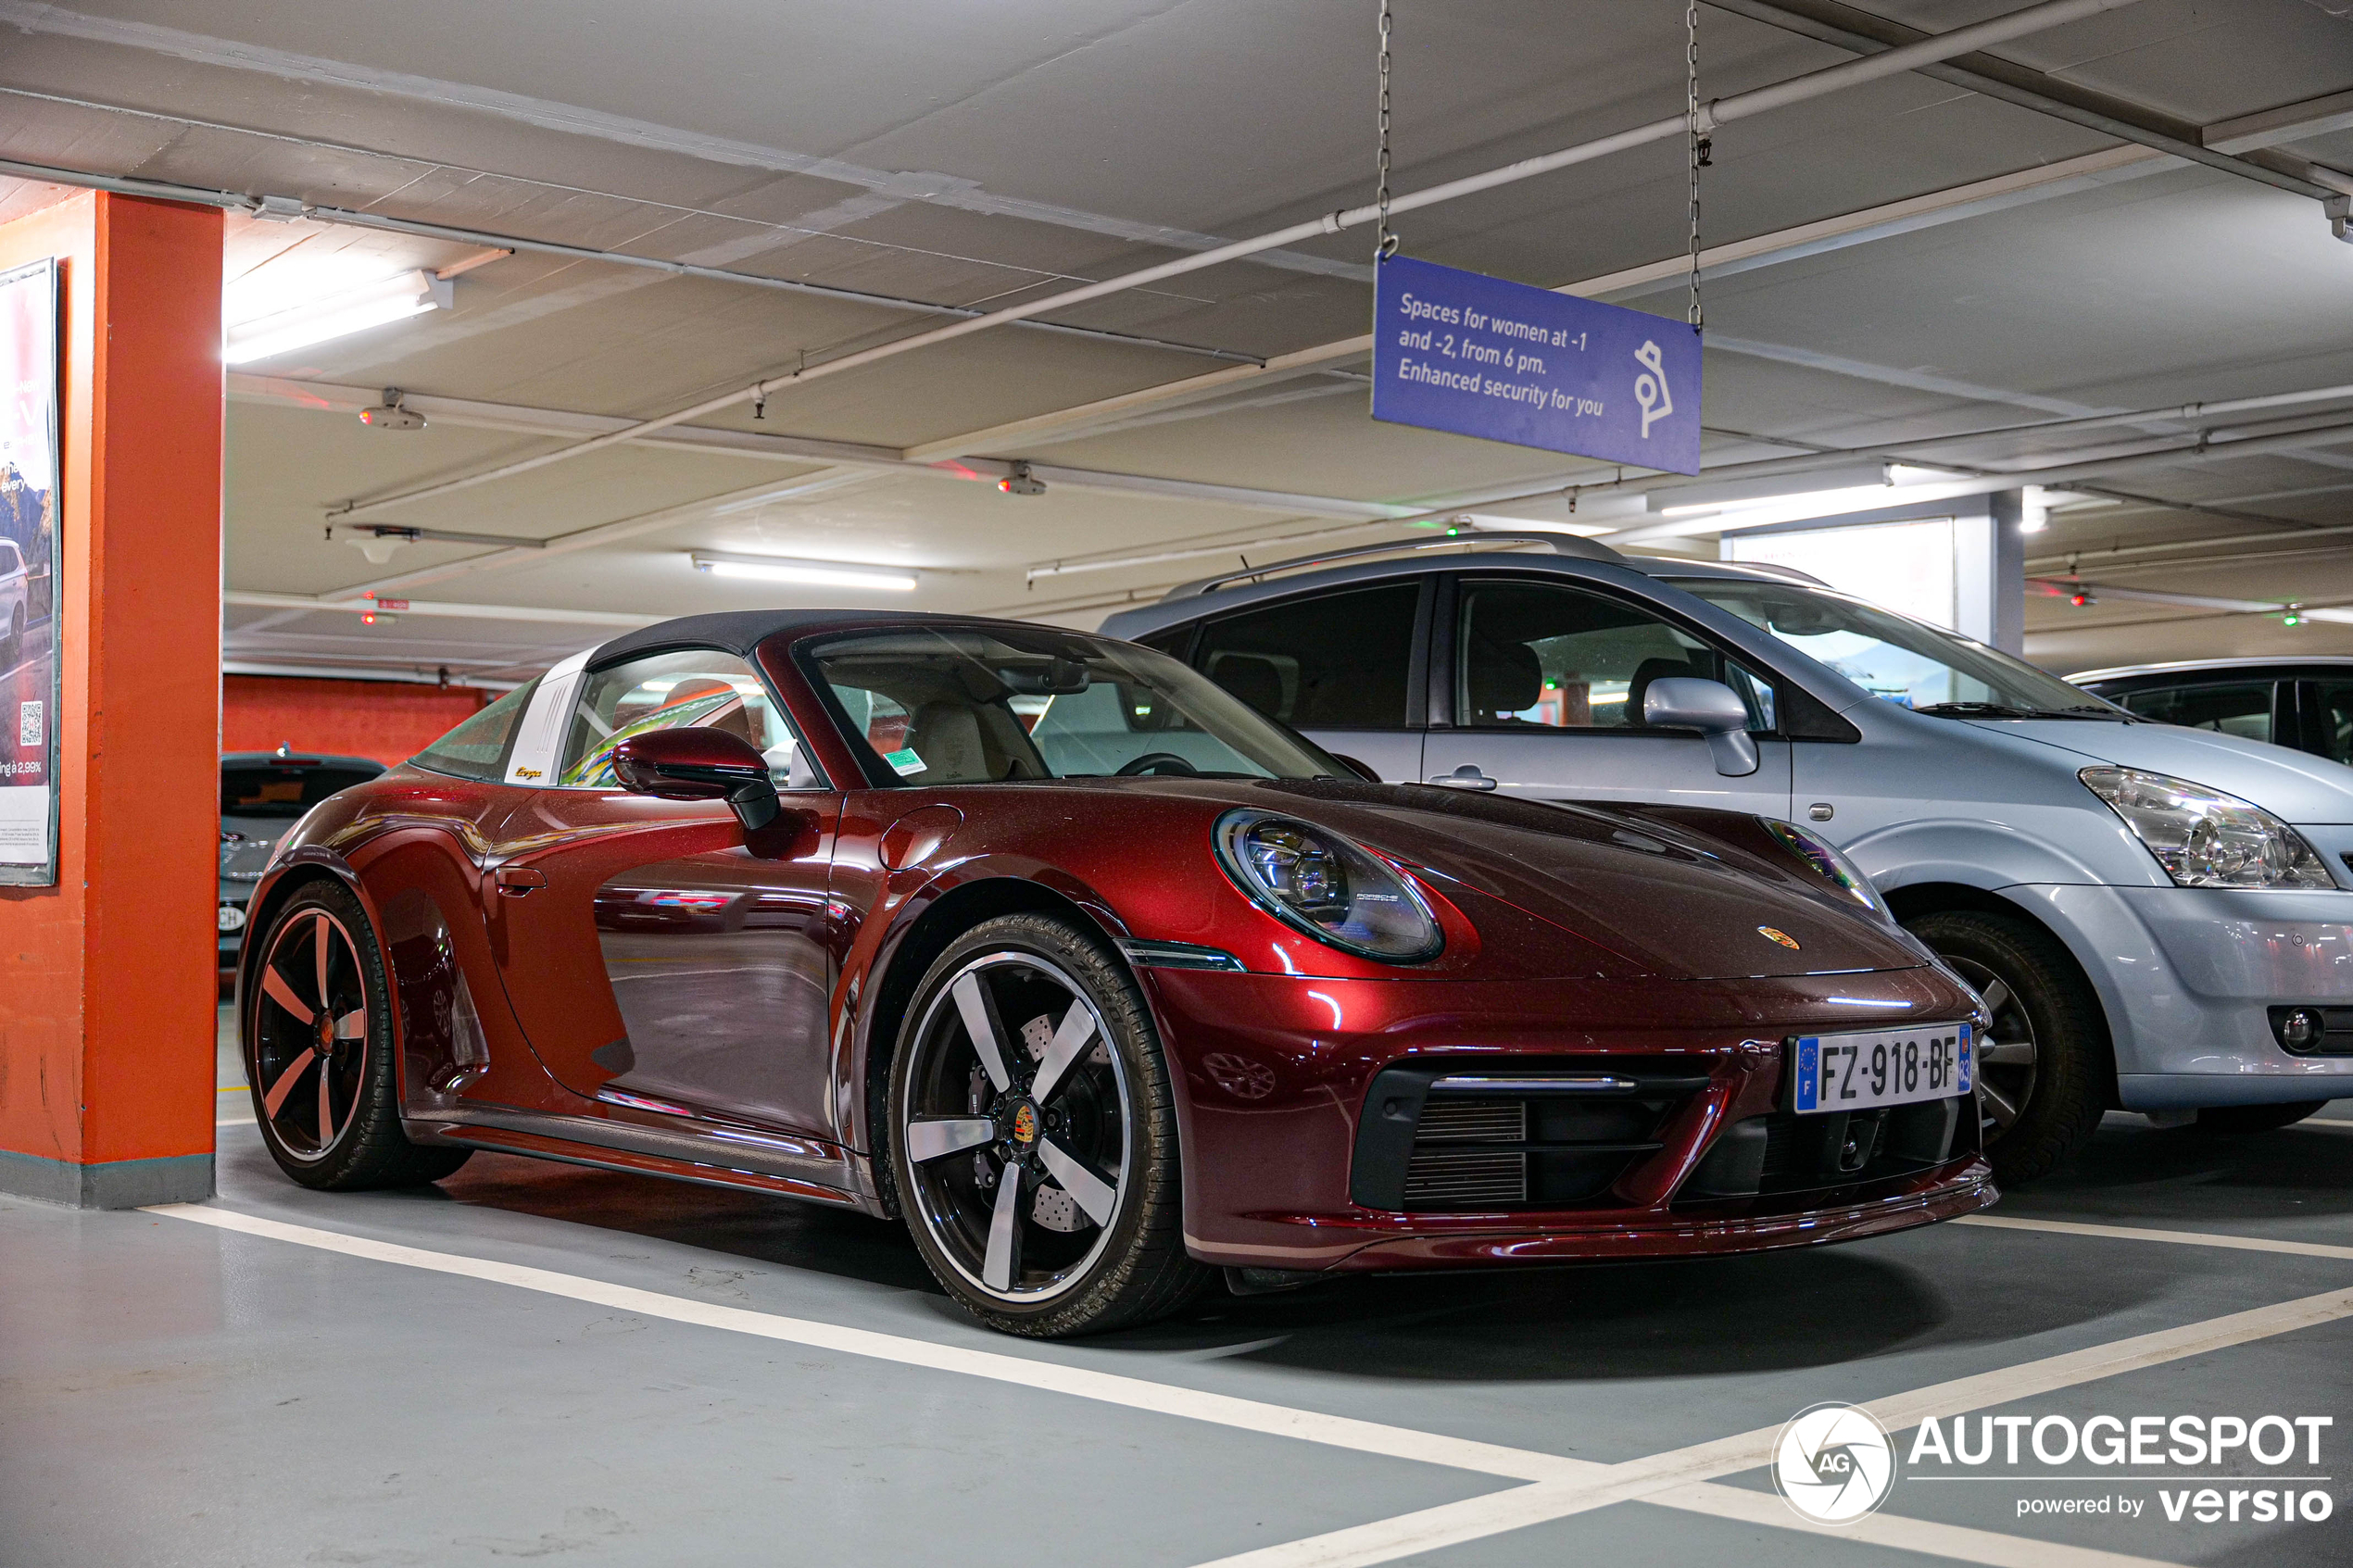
(1093, 1243)
(2043, 1072)
(2237, 1119)
(316, 1070)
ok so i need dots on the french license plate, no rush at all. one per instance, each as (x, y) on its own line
(1890, 1067)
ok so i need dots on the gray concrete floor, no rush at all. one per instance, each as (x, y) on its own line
(175, 1393)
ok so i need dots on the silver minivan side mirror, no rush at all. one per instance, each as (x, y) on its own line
(1680, 702)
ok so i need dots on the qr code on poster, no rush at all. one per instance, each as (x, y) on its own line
(28, 724)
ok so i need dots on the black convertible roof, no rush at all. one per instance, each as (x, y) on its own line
(740, 631)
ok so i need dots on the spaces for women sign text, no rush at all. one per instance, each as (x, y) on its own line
(1477, 356)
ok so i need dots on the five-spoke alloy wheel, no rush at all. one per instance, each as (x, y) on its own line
(317, 1034)
(1035, 1151)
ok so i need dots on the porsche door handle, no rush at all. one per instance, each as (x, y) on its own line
(1467, 777)
(516, 881)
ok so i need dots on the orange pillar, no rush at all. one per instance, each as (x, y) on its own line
(107, 980)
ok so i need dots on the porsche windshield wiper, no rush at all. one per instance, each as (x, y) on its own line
(2003, 710)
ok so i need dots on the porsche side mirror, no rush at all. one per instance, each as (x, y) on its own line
(699, 764)
(1682, 702)
(1362, 770)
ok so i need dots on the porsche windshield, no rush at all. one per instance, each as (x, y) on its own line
(954, 705)
(1900, 661)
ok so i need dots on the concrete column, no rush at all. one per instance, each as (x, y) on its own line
(107, 980)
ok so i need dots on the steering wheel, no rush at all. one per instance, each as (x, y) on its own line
(1155, 762)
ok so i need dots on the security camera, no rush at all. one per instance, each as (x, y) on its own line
(1021, 481)
(391, 414)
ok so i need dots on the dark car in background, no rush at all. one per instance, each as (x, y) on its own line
(2304, 704)
(262, 795)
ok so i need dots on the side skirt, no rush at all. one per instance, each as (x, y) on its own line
(681, 1156)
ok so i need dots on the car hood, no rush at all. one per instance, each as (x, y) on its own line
(2295, 786)
(1668, 901)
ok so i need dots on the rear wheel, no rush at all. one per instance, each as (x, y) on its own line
(1034, 1146)
(318, 1051)
(2040, 1080)
(2255, 1118)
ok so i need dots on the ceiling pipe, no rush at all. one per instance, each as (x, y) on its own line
(439, 608)
(2204, 448)
(1721, 111)
(2062, 587)
(2031, 89)
(289, 208)
(1900, 451)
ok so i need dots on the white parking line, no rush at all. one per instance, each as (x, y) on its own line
(1896, 1532)
(2180, 1239)
(1657, 1478)
(1136, 1393)
(1562, 1485)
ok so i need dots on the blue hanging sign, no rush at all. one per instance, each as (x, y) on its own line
(1477, 356)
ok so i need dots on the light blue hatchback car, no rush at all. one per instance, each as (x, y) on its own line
(2159, 919)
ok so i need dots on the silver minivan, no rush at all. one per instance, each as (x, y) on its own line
(2159, 919)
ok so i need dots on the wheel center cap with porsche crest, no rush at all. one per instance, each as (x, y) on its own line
(1774, 933)
(1025, 1127)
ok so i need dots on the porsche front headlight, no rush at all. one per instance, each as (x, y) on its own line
(1829, 864)
(1326, 885)
(2204, 838)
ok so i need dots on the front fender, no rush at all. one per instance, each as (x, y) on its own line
(1976, 853)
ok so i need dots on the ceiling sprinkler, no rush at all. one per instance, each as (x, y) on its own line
(1021, 481)
(392, 414)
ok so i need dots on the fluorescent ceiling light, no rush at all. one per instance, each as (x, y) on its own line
(335, 315)
(777, 568)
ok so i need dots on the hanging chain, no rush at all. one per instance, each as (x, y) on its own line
(1386, 244)
(1700, 149)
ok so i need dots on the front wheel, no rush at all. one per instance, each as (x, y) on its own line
(317, 1030)
(1034, 1135)
(2255, 1118)
(2040, 1079)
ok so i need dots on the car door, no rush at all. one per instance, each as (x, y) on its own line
(1545, 681)
(1345, 668)
(654, 960)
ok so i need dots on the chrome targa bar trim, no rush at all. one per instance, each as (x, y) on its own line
(1177, 955)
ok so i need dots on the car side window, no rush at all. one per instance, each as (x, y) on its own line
(477, 748)
(2331, 725)
(1341, 661)
(1539, 656)
(688, 688)
(2241, 709)
(11, 559)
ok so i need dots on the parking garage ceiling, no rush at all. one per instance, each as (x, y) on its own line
(2007, 266)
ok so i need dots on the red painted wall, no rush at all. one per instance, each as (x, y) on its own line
(386, 720)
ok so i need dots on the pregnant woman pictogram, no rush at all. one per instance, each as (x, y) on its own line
(1650, 388)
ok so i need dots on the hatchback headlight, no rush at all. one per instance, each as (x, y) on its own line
(1829, 864)
(1330, 887)
(2204, 838)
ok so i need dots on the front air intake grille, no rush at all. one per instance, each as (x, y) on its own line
(1552, 1133)
(1474, 1121)
(1446, 1179)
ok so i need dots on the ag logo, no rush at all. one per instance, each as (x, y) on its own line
(1833, 1463)
(1775, 934)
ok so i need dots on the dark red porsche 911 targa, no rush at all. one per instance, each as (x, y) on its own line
(1098, 978)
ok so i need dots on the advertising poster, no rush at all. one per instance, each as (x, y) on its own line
(28, 574)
